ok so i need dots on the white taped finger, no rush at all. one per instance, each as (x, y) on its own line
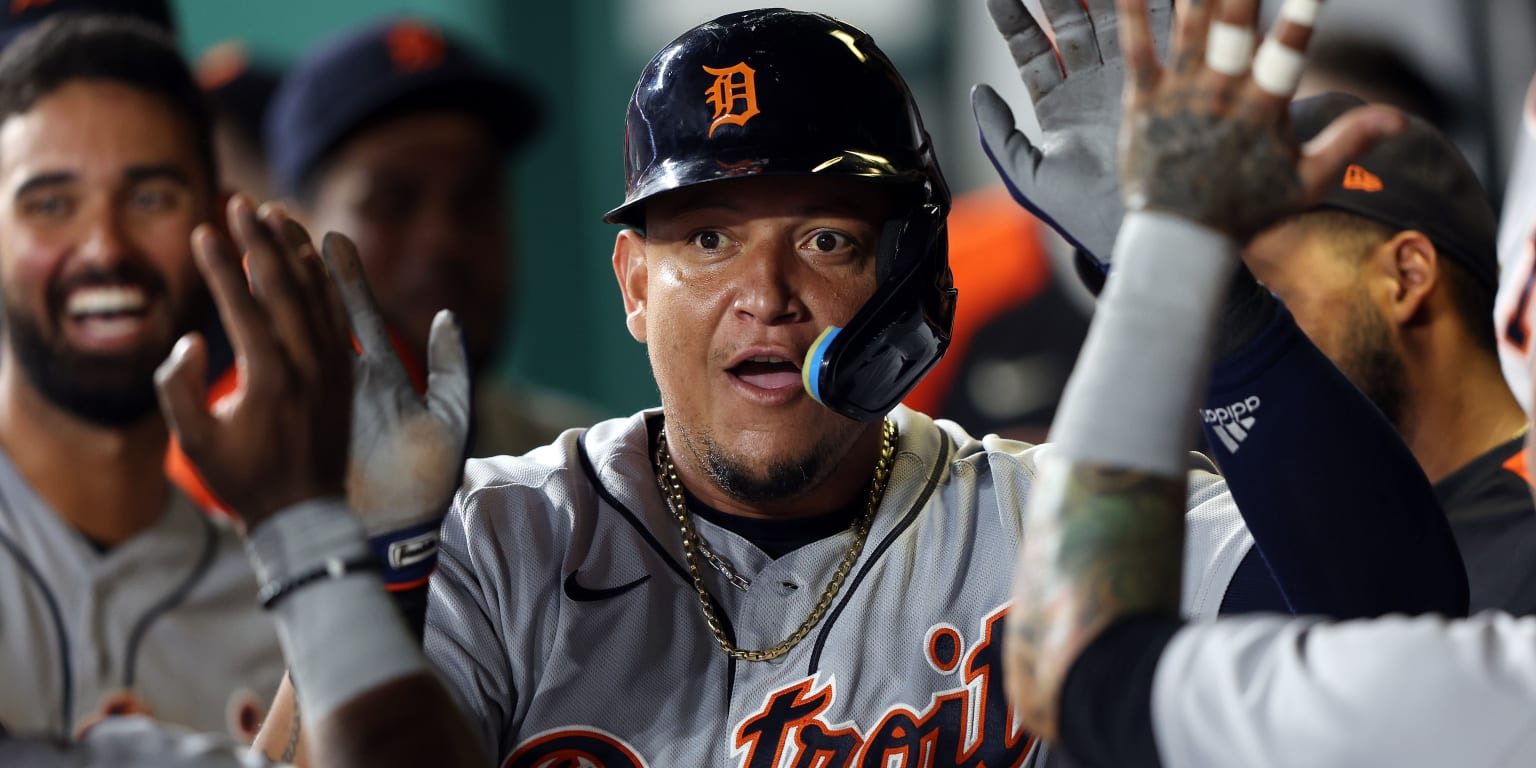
(1303, 12)
(1229, 49)
(1278, 67)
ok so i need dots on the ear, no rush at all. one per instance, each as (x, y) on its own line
(1414, 266)
(630, 269)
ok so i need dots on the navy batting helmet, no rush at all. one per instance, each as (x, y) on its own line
(786, 93)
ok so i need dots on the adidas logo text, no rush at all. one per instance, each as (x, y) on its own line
(1232, 423)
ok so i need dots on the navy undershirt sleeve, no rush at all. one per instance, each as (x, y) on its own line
(1341, 514)
(1106, 700)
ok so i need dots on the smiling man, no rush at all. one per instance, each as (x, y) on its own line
(116, 594)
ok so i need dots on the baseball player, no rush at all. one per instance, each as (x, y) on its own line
(399, 135)
(369, 699)
(116, 594)
(1127, 685)
(1273, 397)
(1393, 275)
(779, 566)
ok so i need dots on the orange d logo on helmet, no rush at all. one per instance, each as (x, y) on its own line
(732, 85)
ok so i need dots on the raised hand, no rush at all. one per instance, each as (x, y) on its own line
(281, 438)
(1209, 137)
(407, 452)
(1071, 180)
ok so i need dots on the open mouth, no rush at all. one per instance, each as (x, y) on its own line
(768, 372)
(104, 314)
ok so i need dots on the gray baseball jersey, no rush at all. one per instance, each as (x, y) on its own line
(165, 622)
(1396, 691)
(563, 618)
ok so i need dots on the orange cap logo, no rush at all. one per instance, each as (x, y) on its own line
(220, 65)
(19, 6)
(414, 46)
(1360, 180)
(732, 85)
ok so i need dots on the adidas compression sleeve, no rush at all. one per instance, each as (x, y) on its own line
(1339, 509)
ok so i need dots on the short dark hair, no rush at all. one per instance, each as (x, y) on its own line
(71, 46)
(1357, 236)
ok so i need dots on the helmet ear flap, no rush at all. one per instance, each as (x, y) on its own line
(864, 370)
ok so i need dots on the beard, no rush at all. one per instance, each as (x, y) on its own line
(109, 390)
(745, 481)
(1372, 362)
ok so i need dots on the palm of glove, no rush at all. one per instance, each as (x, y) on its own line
(1071, 179)
(407, 452)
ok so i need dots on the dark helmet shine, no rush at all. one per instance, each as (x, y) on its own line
(786, 93)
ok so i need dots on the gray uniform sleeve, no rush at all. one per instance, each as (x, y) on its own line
(1397, 691)
(130, 742)
(461, 640)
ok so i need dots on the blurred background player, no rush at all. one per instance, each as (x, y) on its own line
(240, 88)
(1393, 277)
(398, 136)
(1277, 691)
(118, 595)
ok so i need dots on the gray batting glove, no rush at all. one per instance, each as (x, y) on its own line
(1071, 181)
(407, 454)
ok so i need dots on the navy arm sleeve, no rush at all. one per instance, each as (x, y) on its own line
(1342, 515)
(1106, 700)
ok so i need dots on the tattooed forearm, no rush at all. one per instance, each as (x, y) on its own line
(1099, 543)
(291, 749)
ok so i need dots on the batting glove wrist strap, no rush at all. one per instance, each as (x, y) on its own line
(303, 539)
(407, 557)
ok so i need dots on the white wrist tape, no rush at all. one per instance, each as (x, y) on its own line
(1132, 397)
(1278, 67)
(1229, 49)
(1303, 12)
(342, 637)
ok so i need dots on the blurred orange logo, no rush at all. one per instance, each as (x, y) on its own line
(1360, 180)
(414, 47)
(18, 6)
(733, 87)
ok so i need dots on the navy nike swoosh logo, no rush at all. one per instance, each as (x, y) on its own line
(583, 594)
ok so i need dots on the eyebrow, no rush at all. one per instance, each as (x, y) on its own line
(133, 175)
(44, 180)
(137, 173)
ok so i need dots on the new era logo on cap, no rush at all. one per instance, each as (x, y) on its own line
(414, 47)
(1358, 179)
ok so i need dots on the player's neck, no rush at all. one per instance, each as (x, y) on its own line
(109, 483)
(1459, 407)
(848, 482)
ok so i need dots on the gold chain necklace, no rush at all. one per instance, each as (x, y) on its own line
(672, 489)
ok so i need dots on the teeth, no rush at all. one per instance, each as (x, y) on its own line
(767, 359)
(103, 301)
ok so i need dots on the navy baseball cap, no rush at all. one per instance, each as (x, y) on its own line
(395, 67)
(22, 15)
(1416, 180)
